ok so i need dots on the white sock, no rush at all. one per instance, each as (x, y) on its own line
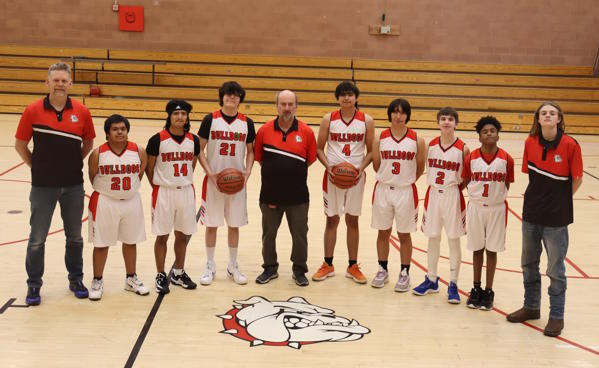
(210, 254)
(455, 259)
(177, 271)
(434, 250)
(232, 256)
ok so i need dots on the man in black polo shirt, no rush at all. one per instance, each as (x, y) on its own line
(63, 134)
(553, 162)
(285, 147)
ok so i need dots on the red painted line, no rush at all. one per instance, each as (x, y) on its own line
(12, 168)
(50, 233)
(499, 311)
(16, 181)
(568, 260)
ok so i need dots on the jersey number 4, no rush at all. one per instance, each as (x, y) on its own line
(182, 171)
(346, 150)
(118, 183)
(227, 149)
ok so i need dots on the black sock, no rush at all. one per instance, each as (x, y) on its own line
(405, 267)
(488, 289)
(98, 278)
(329, 260)
(352, 262)
(477, 284)
(131, 275)
(383, 264)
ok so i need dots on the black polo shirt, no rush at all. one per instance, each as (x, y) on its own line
(285, 157)
(56, 159)
(550, 167)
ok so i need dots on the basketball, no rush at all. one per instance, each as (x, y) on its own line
(230, 181)
(345, 175)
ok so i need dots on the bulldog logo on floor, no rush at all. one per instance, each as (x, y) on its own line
(293, 323)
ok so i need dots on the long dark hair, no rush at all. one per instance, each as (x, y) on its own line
(535, 130)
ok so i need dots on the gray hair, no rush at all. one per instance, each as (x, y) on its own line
(60, 66)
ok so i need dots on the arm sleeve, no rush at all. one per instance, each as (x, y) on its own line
(89, 133)
(258, 145)
(510, 169)
(196, 145)
(576, 161)
(251, 131)
(153, 146)
(525, 157)
(466, 170)
(204, 130)
(25, 129)
(311, 156)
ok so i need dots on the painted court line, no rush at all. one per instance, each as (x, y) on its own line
(11, 169)
(465, 294)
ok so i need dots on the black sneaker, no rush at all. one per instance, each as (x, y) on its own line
(184, 281)
(78, 289)
(475, 297)
(486, 301)
(266, 276)
(33, 296)
(162, 283)
(300, 279)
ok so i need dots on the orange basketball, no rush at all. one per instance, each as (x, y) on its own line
(230, 181)
(345, 175)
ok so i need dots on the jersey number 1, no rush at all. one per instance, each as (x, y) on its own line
(486, 190)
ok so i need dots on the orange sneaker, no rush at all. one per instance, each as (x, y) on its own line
(354, 272)
(323, 272)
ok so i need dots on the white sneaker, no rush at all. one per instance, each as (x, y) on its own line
(208, 274)
(135, 285)
(380, 279)
(96, 289)
(234, 273)
(403, 283)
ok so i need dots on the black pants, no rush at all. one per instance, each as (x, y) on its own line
(297, 219)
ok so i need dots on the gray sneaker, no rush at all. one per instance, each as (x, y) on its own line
(403, 283)
(96, 289)
(380, 279)
(208, 274)
(135, 285)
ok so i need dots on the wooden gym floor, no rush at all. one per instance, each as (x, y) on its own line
(184, 327)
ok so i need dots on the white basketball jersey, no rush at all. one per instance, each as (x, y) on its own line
(398, 159)
(347, 140)
(227, 143)
(174, 161)
(487, 179)
(118, 175)
(444, 166)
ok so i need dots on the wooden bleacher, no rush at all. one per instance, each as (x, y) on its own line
(138, 84)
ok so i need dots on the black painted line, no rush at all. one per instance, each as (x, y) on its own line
(7, 305)
(146, 328)
(589, 174)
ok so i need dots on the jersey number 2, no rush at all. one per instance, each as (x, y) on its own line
(440, 177)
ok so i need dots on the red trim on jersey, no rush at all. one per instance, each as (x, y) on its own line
(426, 198)
(165, 134)
(506, 208)
(93, 204)
(155, 189)
(388, 134)
(325, 182)
(458, 143)
(415, 194)
(462, 202)
(374, 191)
(103, 148)
(219, 114)
(204, 187)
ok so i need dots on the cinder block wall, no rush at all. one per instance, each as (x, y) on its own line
(507, 31)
